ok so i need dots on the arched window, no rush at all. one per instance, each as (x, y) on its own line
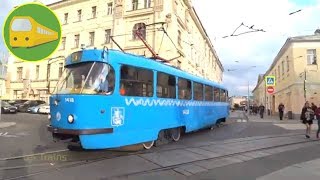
(140, 28)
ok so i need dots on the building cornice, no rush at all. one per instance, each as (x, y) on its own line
(203, 32)
(63, 3)
(285, 47)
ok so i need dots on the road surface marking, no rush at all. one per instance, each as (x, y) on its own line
(17, 157)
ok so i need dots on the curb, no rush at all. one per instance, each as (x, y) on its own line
(7, 124)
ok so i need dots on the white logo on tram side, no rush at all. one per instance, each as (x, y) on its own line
(167, 102)
(117, 116)
(58, 116)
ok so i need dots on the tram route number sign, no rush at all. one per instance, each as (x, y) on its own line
(270, 89)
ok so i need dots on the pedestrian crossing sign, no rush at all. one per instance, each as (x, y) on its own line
(270, 80)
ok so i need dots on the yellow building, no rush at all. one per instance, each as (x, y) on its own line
(91, 23)
(296, 66)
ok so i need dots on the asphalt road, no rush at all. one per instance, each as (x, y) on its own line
(30, 136)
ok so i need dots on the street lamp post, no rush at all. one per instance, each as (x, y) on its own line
(50, 61)
(248, 98)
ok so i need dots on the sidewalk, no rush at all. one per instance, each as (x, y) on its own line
(307, 170)
(273, 119)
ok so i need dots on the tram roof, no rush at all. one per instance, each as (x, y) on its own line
(112, 56)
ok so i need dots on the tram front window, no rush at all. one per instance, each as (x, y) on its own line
(87, 78)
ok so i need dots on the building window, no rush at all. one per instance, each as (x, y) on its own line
(311, 56)
(147, 3)
(197, 91)
(63, 43)
(60, 69)
(141, 29)
(179, 37)
(288, 63)
(65, 18)
(91, 38)
(135, 4)
(110, 8)
(94, 11)
(136, 82)
(37, 71)
(76, 40)
(166, 86)
(184, 89)
(279, 72)
(19, 73)
(79, 15)
(107, 34)
(282, 65)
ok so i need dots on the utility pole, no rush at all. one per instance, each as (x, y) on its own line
(304, 85)
(248, 104)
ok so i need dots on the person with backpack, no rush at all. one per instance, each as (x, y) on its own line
(307, 116)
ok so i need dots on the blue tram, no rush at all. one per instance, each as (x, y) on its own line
(109, 99)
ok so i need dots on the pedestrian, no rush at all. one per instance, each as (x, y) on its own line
(261, 110)
(307, 115)
(317, 113)
(281, 110)
(314, 108)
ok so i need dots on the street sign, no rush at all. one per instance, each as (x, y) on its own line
(270, 89)
(270, 80)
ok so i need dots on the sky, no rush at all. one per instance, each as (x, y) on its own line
(240, 53)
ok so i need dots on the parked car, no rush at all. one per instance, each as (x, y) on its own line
(24, 107)
(33, 109)
(7, 108)
(44, 109)
(17, 102)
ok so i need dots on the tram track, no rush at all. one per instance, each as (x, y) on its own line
(171, 167)
(114, 154)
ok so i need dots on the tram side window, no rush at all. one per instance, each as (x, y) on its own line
(208, 93)
(223, 97)
(197, 91)
(184, 89)
(136, 82)
(166, 86)
(216, 93)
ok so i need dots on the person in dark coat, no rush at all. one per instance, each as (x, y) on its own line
(261, 110)
(314, 108)
(307, 115)
(281, 110)
(317, 113)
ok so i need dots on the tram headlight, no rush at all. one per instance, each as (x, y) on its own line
(70, 119)
(49, 117)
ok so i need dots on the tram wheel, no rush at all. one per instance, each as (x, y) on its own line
(175, 134)
(148, 145)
